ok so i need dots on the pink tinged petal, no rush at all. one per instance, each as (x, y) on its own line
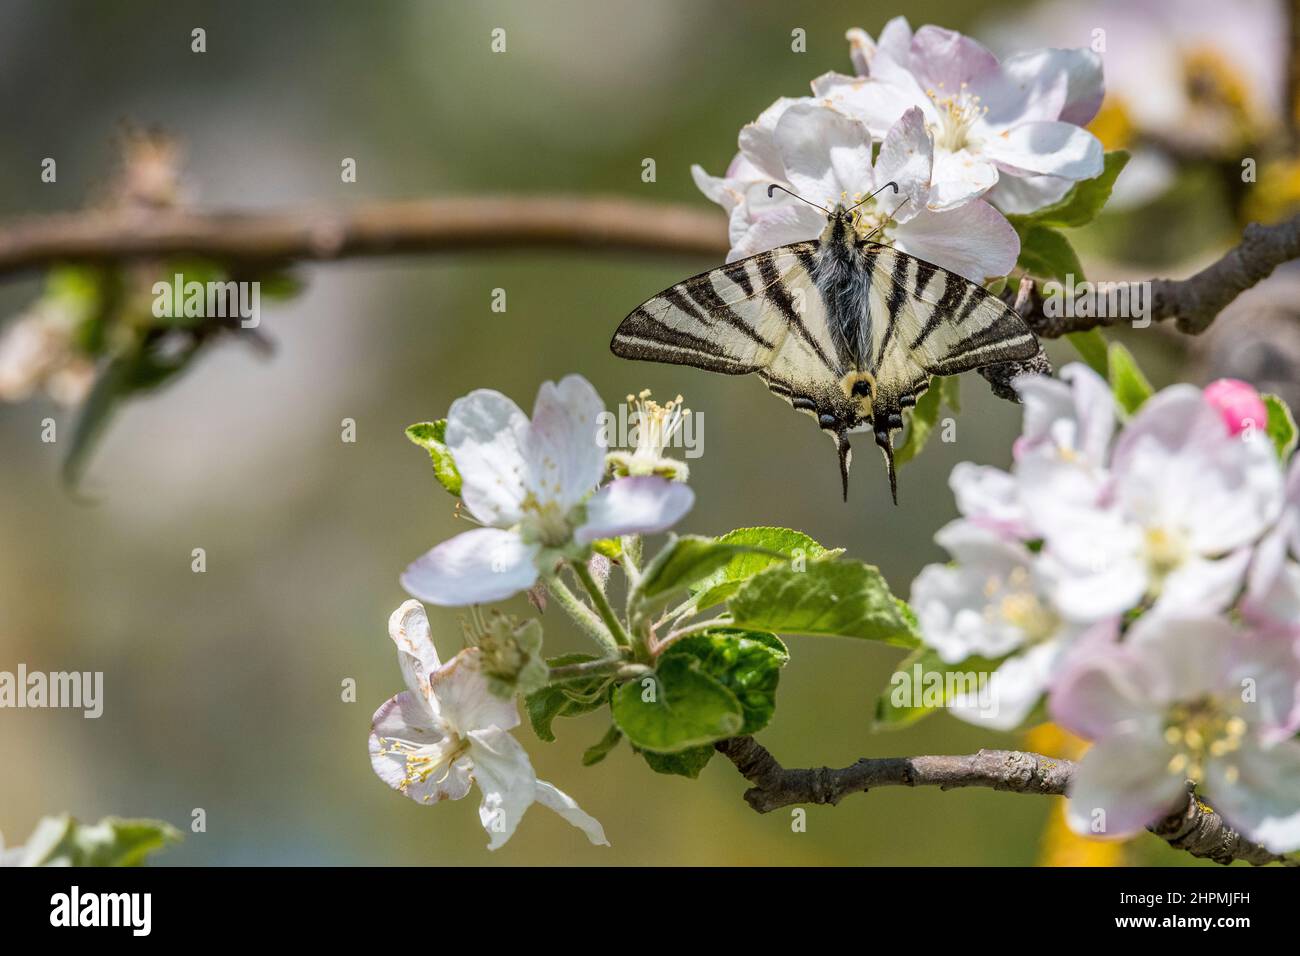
(1268, 665)
(1102, 693)
(506, 779)
(1257, 790)
(563, 804)
(1204, 586)
(944, 60)
(638, 505)
(1026, 194)
(975, 241)
(861, 50)
(825, 153)
(792, 222)
(408, 626)
(906, 158)
(486, 434)
(405, 742)
(564, 446)
(989, 497)
(1272, 601)
(1046, 148)
(475, 567)
(877, 102)
(1183, 657)
(1238, 403)
(465, 703)
(1027, 87)
(758, 139)
(1122, 785)
(1064, 85)
(959, 177)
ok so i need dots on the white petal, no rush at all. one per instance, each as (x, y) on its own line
(825, 153)
(567, 807)
(1013, 690)
(408, 626)
(1122, 785)
(1101, 692)
(960, 177)
(507, 781)
(1257, 789)
(465, 703)
(401, 724)
(1203, 586)
(1046, 148)
(758, 139)
(1025, 194)
(989, 497)
(1046, 85)
(947, 61)
(639, 505)
(485, 434)
(791, 222)
(877, 102)
(1183, 658)
(475, 567)
(564, 447)
(974, 241)
(906, 158)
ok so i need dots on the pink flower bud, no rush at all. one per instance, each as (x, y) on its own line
(1238, 403)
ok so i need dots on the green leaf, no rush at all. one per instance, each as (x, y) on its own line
(63, 841)
(747, 663)
(684, 763)
(1091, 346)
(898, 705)
(1281, 426)
(567, 699)
(1083, 202)
(683, 562)
(776, 544)
(676, 708)
(925, 415)
(1130, 386)
(834, 598)
(432, 437)
(1047, 254)
(601, 748)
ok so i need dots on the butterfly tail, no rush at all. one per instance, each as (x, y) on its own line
(885, 441)
(846, 458)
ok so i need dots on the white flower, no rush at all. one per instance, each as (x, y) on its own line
(1185, 502)
(996, 603)
(448, 730)
(826, 157)
(1013, 125)
(37, 351)
(1180, 699)
(655, 426)
(1273, 584)
(531, 484)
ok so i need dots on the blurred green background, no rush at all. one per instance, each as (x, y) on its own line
(223, 689)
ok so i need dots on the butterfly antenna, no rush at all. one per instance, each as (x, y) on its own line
(846, 457)
(888, 219)
(796, 196)
(889, 185)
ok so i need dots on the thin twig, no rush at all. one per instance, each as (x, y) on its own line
(1195, 828)
(365, 229)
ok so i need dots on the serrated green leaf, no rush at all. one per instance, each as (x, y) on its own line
(676, 708)
(1281, 426)
(894, 709)
(684, 763)
(1130, 386)
(1047, 254)
(1092, 348)
(601, 748)
(831, 598)
(432, 437)
(683, 562)
(113, 841)
(776, 544)
(567, 699)
(1083, 202)
(747, 663)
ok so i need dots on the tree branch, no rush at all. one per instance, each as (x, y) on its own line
(371, 229)
(1196, 301)
(1195, 828)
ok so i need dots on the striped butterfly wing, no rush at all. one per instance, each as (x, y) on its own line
(763, 314)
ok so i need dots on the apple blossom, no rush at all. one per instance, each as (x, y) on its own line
(447, 730)
(1238, 403)
(826, 157)
(1010, 129)
(1186, 698)
(532, 484)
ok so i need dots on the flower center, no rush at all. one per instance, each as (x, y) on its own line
(957, 114)
(1013, 601)
(544, 522)
(1166, 550)
(425, 760)
(1199, 730)
(656, 425)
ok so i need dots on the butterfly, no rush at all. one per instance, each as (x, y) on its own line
(845, 329)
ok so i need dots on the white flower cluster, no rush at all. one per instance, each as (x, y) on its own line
(962, 134)
(1144, 579)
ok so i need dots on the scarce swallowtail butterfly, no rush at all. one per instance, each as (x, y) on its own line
(846, 330)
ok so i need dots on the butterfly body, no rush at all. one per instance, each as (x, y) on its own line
(846, 330)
